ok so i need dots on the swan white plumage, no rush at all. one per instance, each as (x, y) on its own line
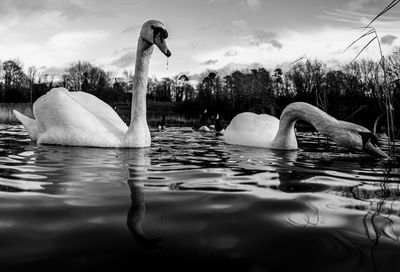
(81, 119)
(267, 131)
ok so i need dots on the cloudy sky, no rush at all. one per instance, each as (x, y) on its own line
(203, 34)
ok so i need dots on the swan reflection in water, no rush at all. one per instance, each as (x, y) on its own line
(294, 191)
(94, 167)
(314, 178)
(301, 175)
(139, 161)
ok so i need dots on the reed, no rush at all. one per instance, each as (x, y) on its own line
(381, 69)
(172, 120)
(6, 111)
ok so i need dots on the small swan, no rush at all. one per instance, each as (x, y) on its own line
(266, 131)
(161, 124)
(202, 126)
(81, 119)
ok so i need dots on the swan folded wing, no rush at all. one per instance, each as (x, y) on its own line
(251, 129)
(103, 112)
(61, 120)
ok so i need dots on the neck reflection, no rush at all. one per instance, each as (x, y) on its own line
(138, 162)
(81, 174)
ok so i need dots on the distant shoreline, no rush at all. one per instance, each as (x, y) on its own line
(155, 111)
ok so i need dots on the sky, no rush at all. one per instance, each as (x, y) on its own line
(220, 35)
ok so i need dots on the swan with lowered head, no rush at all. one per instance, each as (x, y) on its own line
(266, 131)
(81, 119)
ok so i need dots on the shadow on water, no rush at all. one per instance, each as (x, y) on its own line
(192, 203)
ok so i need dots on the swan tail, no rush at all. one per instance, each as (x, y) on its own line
(29, 124)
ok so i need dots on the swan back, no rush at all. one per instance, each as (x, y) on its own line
(251, 129)
(63, 120)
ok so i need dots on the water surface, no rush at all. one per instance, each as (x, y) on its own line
(192, 203)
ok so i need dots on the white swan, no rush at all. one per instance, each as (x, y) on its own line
(266, 131)
(81, 119)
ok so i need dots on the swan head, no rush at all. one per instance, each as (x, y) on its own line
(370, 145)
(155, 32)
(357, 137)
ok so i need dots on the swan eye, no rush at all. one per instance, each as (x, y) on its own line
(374, 139)
(159, 30)
(368, 136)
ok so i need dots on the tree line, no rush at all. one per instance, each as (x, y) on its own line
(19, 86)
(354, 92)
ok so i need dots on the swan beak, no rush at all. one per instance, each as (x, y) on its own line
(374, 150)
(162, 45)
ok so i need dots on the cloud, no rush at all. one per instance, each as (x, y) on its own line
(253, 3)
(360, 12)
(66, 8)
(343, 16)
(231, 53)
(209, 62)
(124, 50)
(275, 43)
(263, 37)
(76, 39)
(366, 5)
(241, 24)
(232, 67)
(388, 39)
(133, 28)
(125, 60)
(217, 1)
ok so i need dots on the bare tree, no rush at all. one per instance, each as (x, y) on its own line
(83, 76)
(32, 71)
(75, 72)
(13, 73)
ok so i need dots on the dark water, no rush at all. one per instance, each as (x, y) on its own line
(192, 203)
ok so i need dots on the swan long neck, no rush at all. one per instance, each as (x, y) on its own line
(140, 79)
(286, 138)
(138, 134)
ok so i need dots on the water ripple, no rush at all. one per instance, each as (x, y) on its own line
(193, 184)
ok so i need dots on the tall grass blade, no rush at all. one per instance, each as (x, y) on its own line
(386, 9)
(371, 31)
(364, 48)
(298, 59)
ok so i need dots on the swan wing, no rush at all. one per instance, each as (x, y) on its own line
(61, 119)
(100, 109)
(251, 129)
